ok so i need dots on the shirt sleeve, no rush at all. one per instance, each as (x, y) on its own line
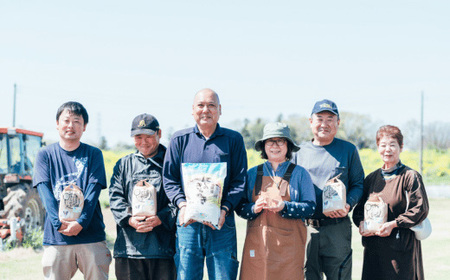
(172, 173)
(303, 197)
(91, 194)
(245, 208)
(418, 206)
(168, 216)
(97, 174)
(238, 175)
(41, 181)
(358, 212)
(41, 169)
(51, 205)
(168, 213)
(356, 179)
(120, 207)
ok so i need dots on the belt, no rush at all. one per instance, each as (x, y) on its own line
(317, 223)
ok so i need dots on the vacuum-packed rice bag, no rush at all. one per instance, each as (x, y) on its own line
(203, 186)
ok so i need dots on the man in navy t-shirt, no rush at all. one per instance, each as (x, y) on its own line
(72, 244)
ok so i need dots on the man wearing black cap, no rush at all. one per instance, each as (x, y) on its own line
(145, 245)
(325, 157)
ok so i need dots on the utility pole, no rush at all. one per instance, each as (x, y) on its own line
(421, 136)
(14, 108)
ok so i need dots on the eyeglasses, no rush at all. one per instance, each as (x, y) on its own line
(280, 142)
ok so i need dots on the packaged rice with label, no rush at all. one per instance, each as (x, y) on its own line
(71, 203)
(143, 201)
(203, 186)
(334, 195)
(270, 195)
(375, 213)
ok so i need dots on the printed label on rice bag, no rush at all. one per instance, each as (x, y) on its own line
(144, 200)
(203, 186)
(375, 213)
(71, 203)
(334, 195)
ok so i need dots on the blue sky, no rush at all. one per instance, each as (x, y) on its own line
(264, 58)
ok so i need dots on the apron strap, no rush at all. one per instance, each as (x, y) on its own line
(288, 173)
(258, 182)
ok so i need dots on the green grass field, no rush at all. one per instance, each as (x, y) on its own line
(24, 264)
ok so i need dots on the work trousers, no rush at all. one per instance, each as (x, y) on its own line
(60, 262)
(145, 269)
(329, 252)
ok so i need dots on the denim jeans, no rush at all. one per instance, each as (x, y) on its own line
(197, 242)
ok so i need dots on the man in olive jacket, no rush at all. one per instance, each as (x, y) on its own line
(145, 245)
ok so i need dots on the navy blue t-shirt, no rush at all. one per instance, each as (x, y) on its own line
(55, 169)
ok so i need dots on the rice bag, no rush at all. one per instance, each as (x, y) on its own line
(203, 186)
(71, 203)
(375, 213)
(143, 200)
(334, 195)
(270, 194)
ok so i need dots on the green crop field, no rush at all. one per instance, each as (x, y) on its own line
(436, 164)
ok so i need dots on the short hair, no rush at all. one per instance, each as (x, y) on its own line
(390, 131)
(290, 148)
(74, 108)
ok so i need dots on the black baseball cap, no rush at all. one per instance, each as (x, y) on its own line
(325, 105)
(144, 124)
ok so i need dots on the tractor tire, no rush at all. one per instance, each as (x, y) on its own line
(23, 201)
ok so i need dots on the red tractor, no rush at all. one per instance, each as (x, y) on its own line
(21, 208)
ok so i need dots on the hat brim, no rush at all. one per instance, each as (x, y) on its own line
(142, 131)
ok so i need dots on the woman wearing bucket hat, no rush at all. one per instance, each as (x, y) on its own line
(394, 251)
(279, 196)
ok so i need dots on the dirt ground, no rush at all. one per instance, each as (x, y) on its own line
(110, 224)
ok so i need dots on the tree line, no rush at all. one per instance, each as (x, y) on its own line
(359, 129)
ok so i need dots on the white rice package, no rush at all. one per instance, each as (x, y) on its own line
(334, 195)
(203, 186)
(271, 194)
(375, 213)
(71, 203)
(143, 200)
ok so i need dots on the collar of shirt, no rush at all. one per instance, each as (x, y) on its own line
(216, 133)
(157, 159)
(280, 170)
(392, 172)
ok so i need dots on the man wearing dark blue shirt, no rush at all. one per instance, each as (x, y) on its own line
(80, 243)
(206, 142)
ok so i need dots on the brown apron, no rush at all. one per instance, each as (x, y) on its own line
(274, 246)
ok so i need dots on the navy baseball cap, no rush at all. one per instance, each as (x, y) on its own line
(144, 124)
(325, 105)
